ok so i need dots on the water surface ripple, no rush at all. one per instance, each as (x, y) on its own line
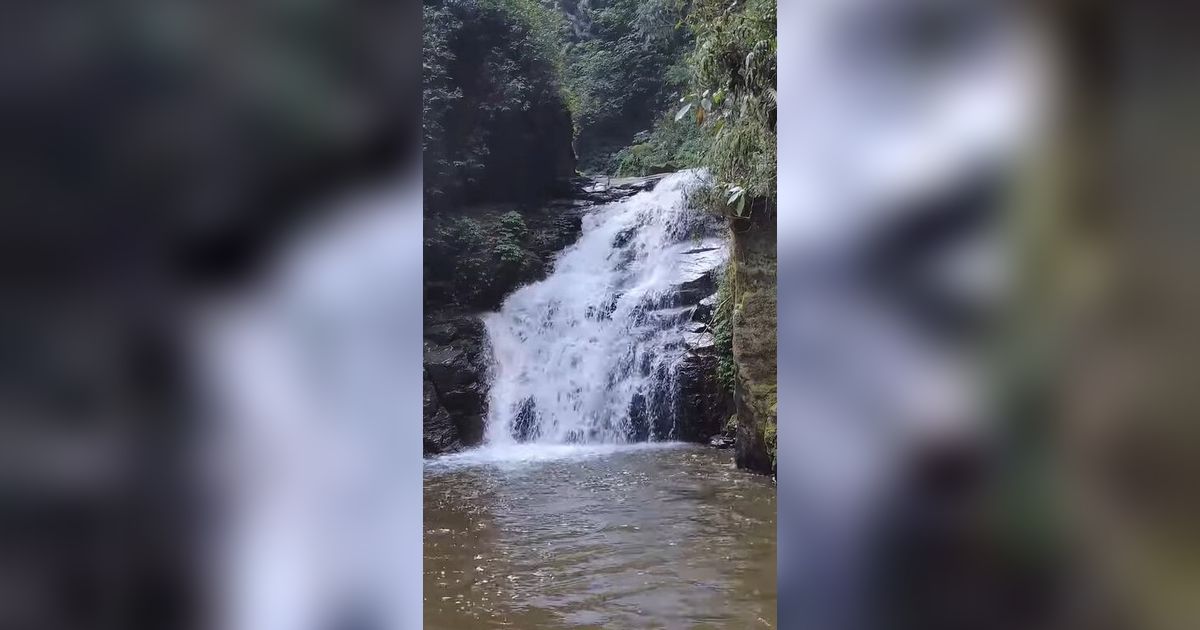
(577, 536)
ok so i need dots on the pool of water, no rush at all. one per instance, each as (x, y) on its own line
(637, 536)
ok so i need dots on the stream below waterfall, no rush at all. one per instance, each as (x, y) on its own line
(652, 535)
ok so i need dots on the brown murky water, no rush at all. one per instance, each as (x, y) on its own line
(650, 536)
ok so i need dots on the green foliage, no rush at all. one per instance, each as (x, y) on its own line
(509, 239)
(462, 241)
(726, 123)
(735, 74)
(508, 252)
(476, 258)
(622, 70)
(722, 327)
(512, 225)
(466, 230)
(544, 25)
(670, 147)
(484, 63)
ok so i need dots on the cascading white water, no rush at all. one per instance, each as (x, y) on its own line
(590, 353)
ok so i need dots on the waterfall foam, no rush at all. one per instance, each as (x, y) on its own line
(590, 354)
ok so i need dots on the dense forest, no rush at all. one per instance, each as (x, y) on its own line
(523, 99)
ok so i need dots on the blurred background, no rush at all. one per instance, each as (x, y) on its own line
(986, 306)
(190, 193)
(210, 340)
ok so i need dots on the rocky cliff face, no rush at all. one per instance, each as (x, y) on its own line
(497, 145)
(469, 270)
(689, 405)
(704, 406)
(455, 381)
(754, 341)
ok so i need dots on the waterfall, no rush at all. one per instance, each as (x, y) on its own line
(591, 353)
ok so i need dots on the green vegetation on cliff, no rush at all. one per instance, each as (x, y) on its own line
(497, 141)
(734, 98)
(497, 120)
(725, 121)
(624, 68)
(733, 103)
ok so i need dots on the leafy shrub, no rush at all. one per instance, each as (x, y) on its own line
(475, 260)
(670, 147)
(735, 75)
(512, 225)
(509, 252)
(508, 243)
(727, 123)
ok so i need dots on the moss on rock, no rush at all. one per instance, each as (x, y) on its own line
(754, 341)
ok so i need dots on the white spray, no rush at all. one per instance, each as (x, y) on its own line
(590, 354)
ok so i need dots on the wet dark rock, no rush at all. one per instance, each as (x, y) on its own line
(695, 280)
(525, 427)
(605, 310)
(688, 293)
(445, 331)
(637, 184)
(703, 311)
(455, 362)
(699, 342)
(721, 441)
(704, 407)
(639, 420)
(662, 410)
(623, 237)
(440, 432)
(665, 318)
(609, 189)
(693, 291)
